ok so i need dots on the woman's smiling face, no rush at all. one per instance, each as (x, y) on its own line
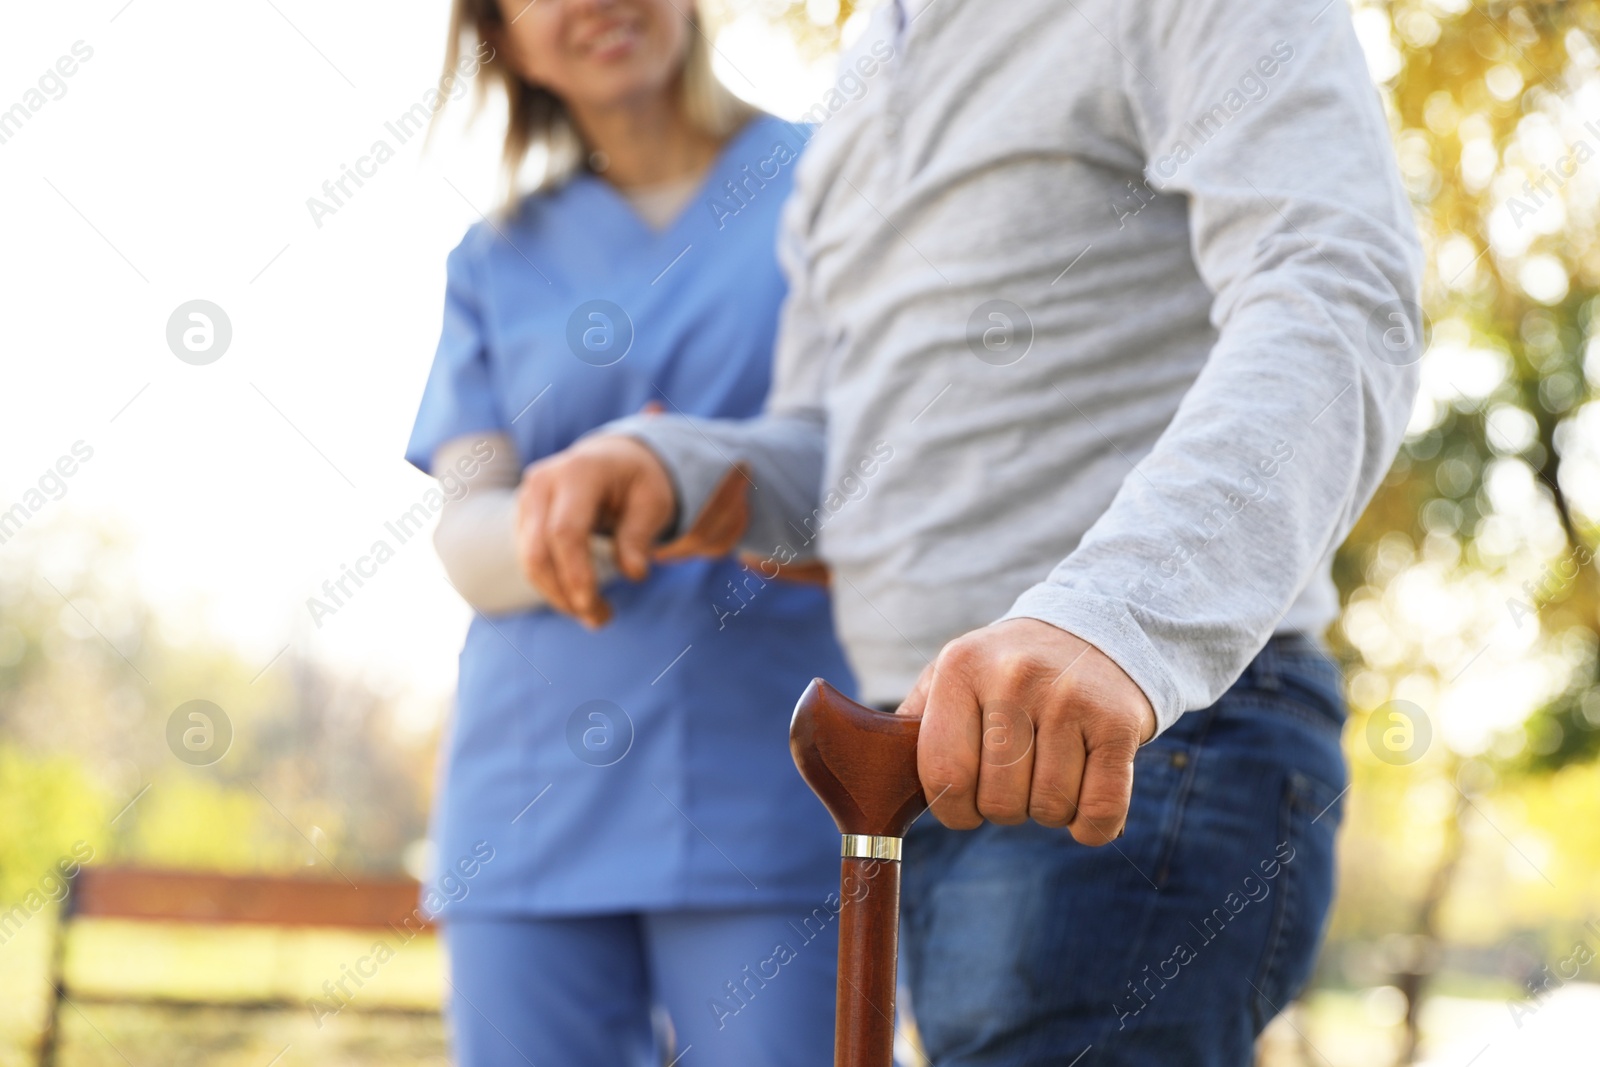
(596, 54)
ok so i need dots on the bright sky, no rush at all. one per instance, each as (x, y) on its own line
(173, 164)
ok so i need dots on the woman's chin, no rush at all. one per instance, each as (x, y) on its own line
(617, 89)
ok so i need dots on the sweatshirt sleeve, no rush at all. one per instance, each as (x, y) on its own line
(1264, 117)
(782, 450)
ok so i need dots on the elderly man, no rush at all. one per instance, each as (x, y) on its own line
(1101, 333)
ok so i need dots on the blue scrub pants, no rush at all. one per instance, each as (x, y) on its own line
(579, 992)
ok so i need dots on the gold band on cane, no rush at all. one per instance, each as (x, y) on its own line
(870, 846)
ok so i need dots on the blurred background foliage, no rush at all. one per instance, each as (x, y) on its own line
(1471, 851)
(83, 752)
(83, 749)
(320, 778)
(1470, 595)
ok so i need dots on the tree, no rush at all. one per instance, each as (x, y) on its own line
(1492, 504)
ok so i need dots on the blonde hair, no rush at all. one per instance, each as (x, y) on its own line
(538, 119)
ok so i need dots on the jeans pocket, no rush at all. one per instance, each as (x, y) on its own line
(1308, 819)
(975, 977)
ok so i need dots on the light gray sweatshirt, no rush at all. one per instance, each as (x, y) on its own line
(1103, 313)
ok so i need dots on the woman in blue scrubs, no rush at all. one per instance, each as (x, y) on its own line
(622, 838)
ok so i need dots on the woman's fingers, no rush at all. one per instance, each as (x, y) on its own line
(574, 511)
(533, 547)
(603, 484)
(648, 505)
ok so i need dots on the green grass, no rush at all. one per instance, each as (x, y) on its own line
(169, 961)
(215, 1037)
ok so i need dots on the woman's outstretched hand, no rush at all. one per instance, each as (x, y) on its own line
(612, 484)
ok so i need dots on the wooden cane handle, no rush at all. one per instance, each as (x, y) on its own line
(862, 764)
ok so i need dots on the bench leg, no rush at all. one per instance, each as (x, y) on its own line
(49, 1039)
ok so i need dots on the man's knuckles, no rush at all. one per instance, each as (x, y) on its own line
(958, 661)
(948, 774)
(1099, 816)
(1054, 811)
(1007, 809)
(1113, 730)
(1017, 671)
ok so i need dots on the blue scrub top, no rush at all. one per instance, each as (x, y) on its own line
(645, 766)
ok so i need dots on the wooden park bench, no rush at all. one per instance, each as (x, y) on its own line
(141, 894)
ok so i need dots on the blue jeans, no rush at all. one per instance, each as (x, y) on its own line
(1174, 945)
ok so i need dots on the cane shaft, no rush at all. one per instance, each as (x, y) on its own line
(869, 947)
(862, 764)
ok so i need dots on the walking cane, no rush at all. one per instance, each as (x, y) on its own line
(863, 765)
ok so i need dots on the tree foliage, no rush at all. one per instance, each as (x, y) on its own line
(316, 775)
(1496, 109)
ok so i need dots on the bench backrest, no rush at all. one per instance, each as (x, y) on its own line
(193, 897)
